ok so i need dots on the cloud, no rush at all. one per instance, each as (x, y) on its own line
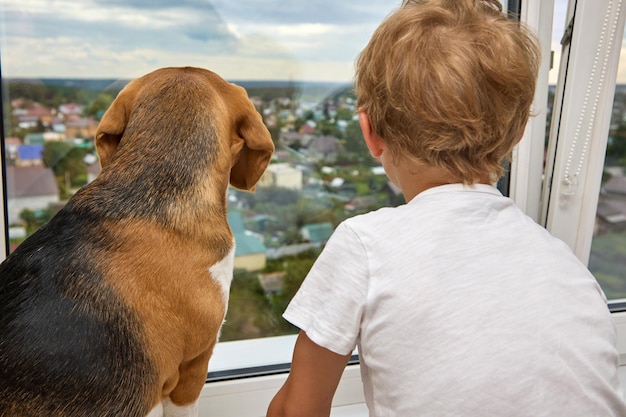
(243, 39)
(88, 38)
(311, 11)
(123, 27)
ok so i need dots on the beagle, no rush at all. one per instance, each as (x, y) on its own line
(114, 306)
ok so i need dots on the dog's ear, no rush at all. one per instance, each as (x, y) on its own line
(252, 149)
(113, 123)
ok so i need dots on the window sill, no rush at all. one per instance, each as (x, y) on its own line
(250, 397)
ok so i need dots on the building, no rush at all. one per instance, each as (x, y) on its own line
(41, 138)
(29, 155)
(80, 127)
(250, 252)
(317, 233)
(325, 148)
(32, 187)
(282, 175)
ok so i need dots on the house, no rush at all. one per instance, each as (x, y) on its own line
(307, 129)
(250, 252)
(33, 116)
(80, 127)
(317, 232)
(29, 155)
(30, 187)
(71, 108)
(41, 138)
(281, 175)
(324, 147)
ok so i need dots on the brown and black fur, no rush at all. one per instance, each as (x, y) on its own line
(110, 307)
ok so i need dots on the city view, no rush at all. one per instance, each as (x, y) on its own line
(62, 66)
(321, 174)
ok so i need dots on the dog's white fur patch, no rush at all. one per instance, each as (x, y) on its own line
(168, 409)
(172, 410)
(222, 272)
(157, 411)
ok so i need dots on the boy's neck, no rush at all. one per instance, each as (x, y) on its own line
(414, 180)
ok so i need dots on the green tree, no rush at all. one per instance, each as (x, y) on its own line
(99, 105)
(66, 161)
(30, 220)
(354, 141)
(344, 114)
(296, 270)
(33, 220)
(249, 315)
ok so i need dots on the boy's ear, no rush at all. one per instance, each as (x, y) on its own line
(372, 140)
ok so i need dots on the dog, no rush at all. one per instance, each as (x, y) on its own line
(113, 307)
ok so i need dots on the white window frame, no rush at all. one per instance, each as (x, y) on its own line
(572, 222)
(527, 159)
(581, 117)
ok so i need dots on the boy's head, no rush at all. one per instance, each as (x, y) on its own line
(449, 83)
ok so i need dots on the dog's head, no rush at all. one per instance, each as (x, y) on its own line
(250, 143)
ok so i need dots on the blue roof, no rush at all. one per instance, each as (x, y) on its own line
(245, 243)
(319, 232)
(29, 152)
(235, 221)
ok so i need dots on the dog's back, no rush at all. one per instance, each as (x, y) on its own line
(65, 331)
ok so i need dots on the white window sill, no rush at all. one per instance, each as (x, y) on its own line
(249, 397)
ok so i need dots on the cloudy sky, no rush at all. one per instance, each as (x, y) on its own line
(315, 40)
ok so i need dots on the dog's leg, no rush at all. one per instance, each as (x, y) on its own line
(173, 410)
(157, 411)
(183, 400)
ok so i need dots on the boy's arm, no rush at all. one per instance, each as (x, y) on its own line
(312, 381)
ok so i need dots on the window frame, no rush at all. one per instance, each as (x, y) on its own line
(582, 85)
(527, 159)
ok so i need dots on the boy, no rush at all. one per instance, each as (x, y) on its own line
(459, 303)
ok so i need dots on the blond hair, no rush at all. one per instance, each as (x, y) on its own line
(449, 83)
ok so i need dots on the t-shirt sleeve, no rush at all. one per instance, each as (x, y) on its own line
(330, 302)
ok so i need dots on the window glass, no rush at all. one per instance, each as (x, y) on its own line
(63, 62)
(607, 260)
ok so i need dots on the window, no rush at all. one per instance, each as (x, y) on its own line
(64, 61)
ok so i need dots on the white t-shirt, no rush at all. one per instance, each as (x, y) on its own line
(461, 305)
